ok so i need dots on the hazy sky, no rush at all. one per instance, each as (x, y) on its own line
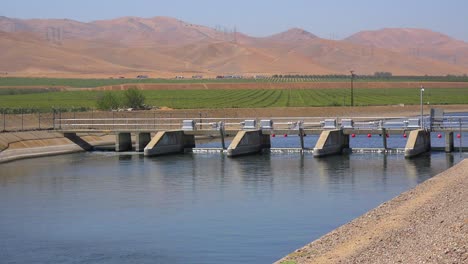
(327, 19)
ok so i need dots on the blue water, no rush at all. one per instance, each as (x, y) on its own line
(104, 207)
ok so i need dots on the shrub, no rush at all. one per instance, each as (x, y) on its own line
(134, 98)
(107, 101)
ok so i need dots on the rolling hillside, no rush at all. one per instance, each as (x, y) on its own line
(165, 47)
(417, 43)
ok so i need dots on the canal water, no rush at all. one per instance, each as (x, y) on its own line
(104, 207)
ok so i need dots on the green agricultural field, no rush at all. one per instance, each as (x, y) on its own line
(91, 83)
(193, 99)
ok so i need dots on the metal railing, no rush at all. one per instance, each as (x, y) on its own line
(451, 123)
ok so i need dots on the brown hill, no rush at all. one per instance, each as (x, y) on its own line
(31, 55)
(157, 30)
(163, 46)
(124, 30)
(51, 29)
(234, 58)
(291, 35)
(343, 57)
(416, 42)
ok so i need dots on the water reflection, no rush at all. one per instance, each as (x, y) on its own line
(125, 157)
(428, 164)
(335, 170)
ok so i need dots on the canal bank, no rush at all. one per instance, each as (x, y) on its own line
(427, 224)
(30, 144)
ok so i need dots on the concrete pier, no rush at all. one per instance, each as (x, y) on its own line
(169, 142)
(419, 141)
(142, 139)
(123, 141)
(449, 142)
(248, 142)
(331, 142)
(384, 138)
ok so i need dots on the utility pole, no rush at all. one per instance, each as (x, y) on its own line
(352, 87)
(235, 34)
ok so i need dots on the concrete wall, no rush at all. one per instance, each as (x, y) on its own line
(331, 142)
(248, 142)
(419, 141)
(21, 145)
(169, 142)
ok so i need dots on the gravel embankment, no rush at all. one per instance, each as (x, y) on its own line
(428, 224)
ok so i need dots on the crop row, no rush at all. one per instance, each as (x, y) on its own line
(192, 99)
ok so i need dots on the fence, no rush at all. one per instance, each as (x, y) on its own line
(22, 121)
(25, 122)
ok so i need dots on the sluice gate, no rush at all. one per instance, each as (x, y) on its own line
(252, 135)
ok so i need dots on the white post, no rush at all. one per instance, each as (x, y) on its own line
(461, 136)
(422, 109)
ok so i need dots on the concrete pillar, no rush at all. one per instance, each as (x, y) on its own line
(123, 142)
(331, 142)
(248, 142)
(449, 142)
(169, 142)
(384, 135)
(142, 139)
(223, 142)
(419, 141)
(301, 138)
(265, 141)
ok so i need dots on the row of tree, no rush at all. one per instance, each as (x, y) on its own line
(383, 74)
(376, 74)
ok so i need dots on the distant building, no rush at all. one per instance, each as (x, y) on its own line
(197, 77)
(142, 77)
(229, 77)
(179, 77)
(233, 76)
